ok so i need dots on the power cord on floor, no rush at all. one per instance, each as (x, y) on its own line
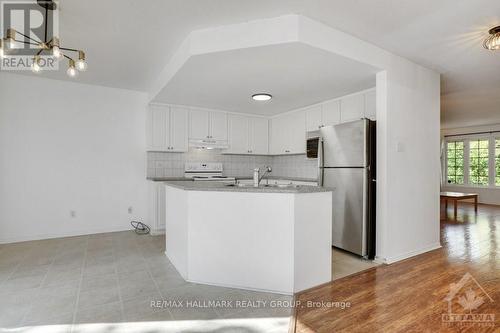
(140, 228)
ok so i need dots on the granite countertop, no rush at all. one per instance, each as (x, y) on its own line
(167, 179)
(222, 187)
(298, 179)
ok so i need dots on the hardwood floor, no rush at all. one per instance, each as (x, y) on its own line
(409, 296)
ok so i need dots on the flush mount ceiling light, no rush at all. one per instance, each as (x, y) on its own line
(261, 97)
(51, 47)
(492, 42)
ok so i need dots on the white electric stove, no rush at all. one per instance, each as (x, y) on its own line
(199, 171)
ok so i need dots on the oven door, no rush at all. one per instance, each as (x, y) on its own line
(312, 147)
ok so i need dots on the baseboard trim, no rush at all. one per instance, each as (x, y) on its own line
(62, 234)
(409, 254)
(157, 232)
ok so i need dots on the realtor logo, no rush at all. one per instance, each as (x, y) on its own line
(32, 23)
(465, 299)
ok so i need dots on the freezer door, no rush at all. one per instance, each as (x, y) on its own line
(345, 144)
(348, 208)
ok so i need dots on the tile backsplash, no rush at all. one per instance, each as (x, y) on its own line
(172, 164)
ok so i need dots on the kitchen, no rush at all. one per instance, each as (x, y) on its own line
(211, 146)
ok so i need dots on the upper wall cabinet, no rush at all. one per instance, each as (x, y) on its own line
(314, 118)
(325, 114)
(167, 128)
(288, 133)
(248, 135)
(331, 113)
(370, 104)
(207, 124)
(352, 108)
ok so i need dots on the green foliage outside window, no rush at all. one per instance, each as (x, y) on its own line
(478, 162)
(455, 158)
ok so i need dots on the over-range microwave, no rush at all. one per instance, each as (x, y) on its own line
(312, 144)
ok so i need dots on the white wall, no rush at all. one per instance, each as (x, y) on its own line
(489, 196)
(67, 146)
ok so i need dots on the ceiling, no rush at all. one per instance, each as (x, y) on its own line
(128, 42)
(303, 76)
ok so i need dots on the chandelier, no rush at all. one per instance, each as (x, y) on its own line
(51, 47)
(492, 42)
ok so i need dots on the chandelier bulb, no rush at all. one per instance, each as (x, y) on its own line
(35, 66)
(81, 64)
(56, 51)
(2, 50)
(72, 72)
(10, 40)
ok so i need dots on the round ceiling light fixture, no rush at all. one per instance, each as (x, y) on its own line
(261, 97)
(492, 42)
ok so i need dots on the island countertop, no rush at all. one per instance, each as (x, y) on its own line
(221, 187)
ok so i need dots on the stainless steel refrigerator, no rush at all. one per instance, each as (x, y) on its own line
(347, 162)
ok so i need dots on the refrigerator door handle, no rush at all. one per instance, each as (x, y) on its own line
(321, 170)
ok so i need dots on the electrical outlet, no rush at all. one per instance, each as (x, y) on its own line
(130, 210)
(72, 213)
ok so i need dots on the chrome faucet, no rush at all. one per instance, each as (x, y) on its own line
(266, 172)
(257, 178)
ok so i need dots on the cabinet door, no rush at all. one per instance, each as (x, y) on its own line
(370, 105)
(179, 129)
(314, 119)
(331, 113)
(218, 126)
(279, 135)
(259, 136)
(352, 108)
(158, 139)
(199, 124)
(297, 133)
(238, 134)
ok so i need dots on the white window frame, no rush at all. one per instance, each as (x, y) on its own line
(491, 162)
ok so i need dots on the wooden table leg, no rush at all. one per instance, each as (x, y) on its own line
(475, 204)
(446, 207)
(455, 209)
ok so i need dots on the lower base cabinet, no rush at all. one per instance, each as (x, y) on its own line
(156, 207)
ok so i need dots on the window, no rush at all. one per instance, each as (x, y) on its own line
(455, 158)
(497, 161)
(478, 161)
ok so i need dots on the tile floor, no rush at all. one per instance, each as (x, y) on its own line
(106, 282)
(345, 264)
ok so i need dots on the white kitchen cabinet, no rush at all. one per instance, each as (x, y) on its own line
(325, 114)
(167, 129)
(179, 129)
(206, 124)
(259, 136)
(199, 124)
(370, 104)
(238, 134)
(248, 135)
(218, 126)
(352, 108)
(297, 133)
(156, 207)
(288, 134)
(314, 118)
(331, 113)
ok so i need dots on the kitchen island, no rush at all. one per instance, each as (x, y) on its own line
(269, 238)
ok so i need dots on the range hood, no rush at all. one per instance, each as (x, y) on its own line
(208, 144)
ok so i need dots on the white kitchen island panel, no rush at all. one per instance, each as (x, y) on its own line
(269, 241)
